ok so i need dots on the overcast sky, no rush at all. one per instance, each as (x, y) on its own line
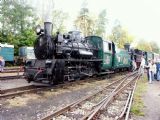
(140, 17)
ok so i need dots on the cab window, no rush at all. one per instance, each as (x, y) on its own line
(107, 47)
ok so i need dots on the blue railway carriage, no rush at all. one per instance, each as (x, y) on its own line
(25, 53)
(7, 52)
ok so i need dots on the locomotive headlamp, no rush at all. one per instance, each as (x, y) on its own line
(38, 29)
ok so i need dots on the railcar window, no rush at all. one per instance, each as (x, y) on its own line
(105, 46)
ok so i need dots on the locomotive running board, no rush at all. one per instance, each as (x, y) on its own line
(86, 74)
(108, 72)
(41, 84)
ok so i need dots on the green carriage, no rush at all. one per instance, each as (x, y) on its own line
(112, 58)
(121, 59)
(149, 56)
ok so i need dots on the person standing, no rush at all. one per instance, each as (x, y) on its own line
(154, 67)
(150, 69)
(134, 65)
(142, 65)
(158, 72)
(2, 64)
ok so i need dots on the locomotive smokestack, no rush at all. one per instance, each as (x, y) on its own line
(48, 27)
(127, 47)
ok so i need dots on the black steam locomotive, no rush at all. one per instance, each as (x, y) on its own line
(61, 57)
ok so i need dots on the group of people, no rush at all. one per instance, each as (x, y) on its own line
(152, 72)
(2, 64)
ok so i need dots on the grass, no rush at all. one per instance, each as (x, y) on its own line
(138, 104)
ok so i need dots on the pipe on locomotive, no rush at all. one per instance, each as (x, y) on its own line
(48, 27)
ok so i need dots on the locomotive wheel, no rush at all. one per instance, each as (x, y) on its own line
(59, 71)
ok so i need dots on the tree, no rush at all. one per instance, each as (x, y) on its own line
(120, 36)
(116, 32)
(17, 21)
(58, 21)
(144, 45)
(16, 16)
(148, 46)
(155, 47)
(58, 18)
(101, 24)
(84, 22)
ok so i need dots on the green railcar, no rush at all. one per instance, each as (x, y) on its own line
(149, 56)
(121, 59)
(111, 57)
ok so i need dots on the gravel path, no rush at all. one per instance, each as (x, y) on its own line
(9, 84)
(152, 102)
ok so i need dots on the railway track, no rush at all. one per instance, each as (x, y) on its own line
(34, 89)
(94, 106)
(20, 90)
(13, 70)
(11, 73)
(11, 77)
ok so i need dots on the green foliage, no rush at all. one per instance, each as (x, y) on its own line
(155, 47)
(120, 36)
(27, 38)
(101, 24)
(144, 45)
(84, 22)
(148, 46)
(59, 18)
(91, 25)
(17, 21)
(16, 16)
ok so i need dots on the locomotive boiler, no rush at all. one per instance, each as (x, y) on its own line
(61, 57)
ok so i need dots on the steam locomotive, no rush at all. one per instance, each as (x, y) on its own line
(63, 57)
(70, 57)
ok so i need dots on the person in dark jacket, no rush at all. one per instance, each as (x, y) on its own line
(158, 71)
